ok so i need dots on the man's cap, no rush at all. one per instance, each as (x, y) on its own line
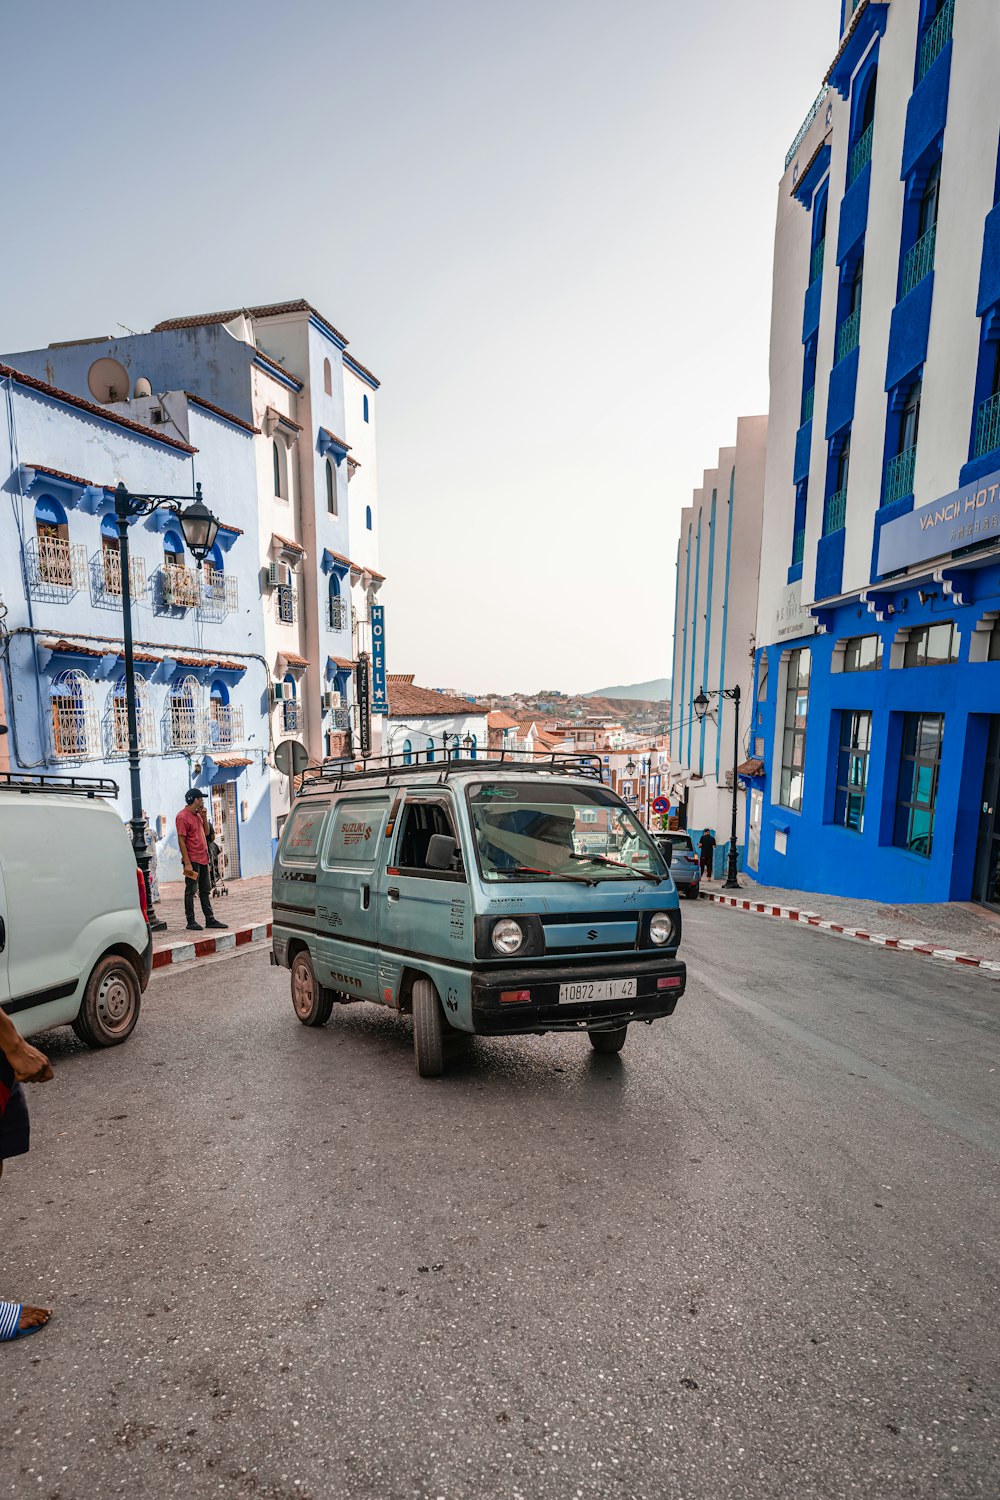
(194, 794)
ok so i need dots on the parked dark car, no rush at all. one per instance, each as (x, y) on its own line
(685, 867)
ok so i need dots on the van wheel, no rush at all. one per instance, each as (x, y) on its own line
(428, 1029)
(313, 1004)
(608, 1041)
(110, 1005)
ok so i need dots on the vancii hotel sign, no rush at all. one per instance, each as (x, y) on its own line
(968, 515)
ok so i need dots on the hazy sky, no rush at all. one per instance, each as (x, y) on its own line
(545, 224)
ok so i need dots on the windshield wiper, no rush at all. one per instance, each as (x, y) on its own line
(602, 859)
(531, 870)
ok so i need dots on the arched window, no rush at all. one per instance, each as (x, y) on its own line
(220, 716)
(52, 531)
(279, 460)
(338, 616)
(867, 117)
(74, 717)
(185, 727)
(328, 377)
(407, 746)
(365, 399)
(173, 550)
(291, 708)
(368, 517)
(118, 717)
(331, 488)
(430, 750)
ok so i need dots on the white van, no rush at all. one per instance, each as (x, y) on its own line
(75, 948)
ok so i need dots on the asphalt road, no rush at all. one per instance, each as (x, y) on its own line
(756, 1256)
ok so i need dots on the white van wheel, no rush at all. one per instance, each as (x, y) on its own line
(428, 1029)
(312, 1002)
(110, 1005)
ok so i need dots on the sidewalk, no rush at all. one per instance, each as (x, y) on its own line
(948, 928)
(247, 905)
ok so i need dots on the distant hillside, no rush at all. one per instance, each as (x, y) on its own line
(657, 691)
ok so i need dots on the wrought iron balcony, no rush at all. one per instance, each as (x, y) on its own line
(184, 727)
(918, 262)
(116, 728)
(225, 726)
(338, 614)
(899, 476)
(816, 261)
(835, 513)
(57, 568)
(848, 335)
(861, 155)
(219, 594)
(286, 607)
(937, 38)
(808, 405)
(76, 731)
(106, 577)
(341, 718)
(179, 587)
(987, 427)
(798, 546)
(291, 715)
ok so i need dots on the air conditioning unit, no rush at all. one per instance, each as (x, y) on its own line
(280, 691)
(336, 700)
(326, 702)
(278, 574)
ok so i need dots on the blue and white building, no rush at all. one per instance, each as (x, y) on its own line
(877, 679)
(281, 376)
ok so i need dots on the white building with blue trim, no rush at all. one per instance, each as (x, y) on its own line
(877, 688)
(715, 613)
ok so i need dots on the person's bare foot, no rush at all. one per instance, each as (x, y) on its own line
(33, 1317)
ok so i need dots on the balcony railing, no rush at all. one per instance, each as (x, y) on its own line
(116, 729)
(848, 335)
(798, 547)
(219, 594)
(179, 587)
(338, 614)
(106, 577)
(341, 718)
(814, 110)
(185, 728)
(861, 155)
(816, 261)
(899, 476)
(808, 405)
(937, 38)
(76, 731)
(919, 261)
(291, 716)
(286, 608)
(987, 427)
(835, 513)
(57, 568)
(225, 726)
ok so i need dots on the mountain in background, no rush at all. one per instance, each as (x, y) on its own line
(657, 691)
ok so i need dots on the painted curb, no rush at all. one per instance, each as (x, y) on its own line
(223, 942)
(903, 945)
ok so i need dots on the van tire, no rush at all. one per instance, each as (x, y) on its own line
(428, 1029)
(110, 1005)
(312, 1003)
(608, 1041)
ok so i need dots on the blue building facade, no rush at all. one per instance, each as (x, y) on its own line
(876, 711)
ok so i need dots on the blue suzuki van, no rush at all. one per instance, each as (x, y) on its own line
(491, 897)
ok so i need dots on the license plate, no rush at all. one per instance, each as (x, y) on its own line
(601, 989)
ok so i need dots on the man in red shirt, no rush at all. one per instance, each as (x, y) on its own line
(192, 840)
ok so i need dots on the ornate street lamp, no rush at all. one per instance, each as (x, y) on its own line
(701, 706)
(199, 528)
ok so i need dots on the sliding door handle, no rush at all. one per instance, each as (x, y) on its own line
(392, 894)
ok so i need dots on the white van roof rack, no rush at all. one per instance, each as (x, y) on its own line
(386, 770)
(44, 781)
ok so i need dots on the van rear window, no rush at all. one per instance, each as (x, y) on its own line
(302, 833)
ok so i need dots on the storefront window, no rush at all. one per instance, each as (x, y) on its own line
(793, 750)
(863, 653)
(852, 769)
(916, 801)
(931, 646)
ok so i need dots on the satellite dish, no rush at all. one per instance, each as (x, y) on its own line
(142, 388)
(108, 381)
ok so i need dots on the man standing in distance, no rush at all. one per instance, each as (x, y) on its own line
(192, 840)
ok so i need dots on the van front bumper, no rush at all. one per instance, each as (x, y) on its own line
(492, 1016)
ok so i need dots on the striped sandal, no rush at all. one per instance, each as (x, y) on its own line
(10, 1316)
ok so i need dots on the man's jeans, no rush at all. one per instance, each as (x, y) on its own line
(203, 885)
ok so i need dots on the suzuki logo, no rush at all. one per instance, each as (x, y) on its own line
(592, 934)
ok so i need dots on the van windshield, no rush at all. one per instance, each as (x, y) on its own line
(531, 829)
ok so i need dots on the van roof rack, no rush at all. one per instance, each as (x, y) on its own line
(386, 770)
(45, 781)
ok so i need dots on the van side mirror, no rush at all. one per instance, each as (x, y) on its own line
(442, 853)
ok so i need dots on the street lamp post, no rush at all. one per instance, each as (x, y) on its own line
(701, 705)
(200, 529)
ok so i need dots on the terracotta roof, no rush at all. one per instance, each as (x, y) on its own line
(70, 478)
(95, 411)
(404, 699)
(497, 719)
(339, 441)
(350, 360)
(272, 411)
(112, 649)
(265, 310)
(236, 530)
(287, 543)
(201, 661)
(847, 37)
(339, 557)
(294, 660)
(805, 170)
(229, 761)
(753, 767)
(341, 661)
(259, 354)
(402, 679)
(373, 572)
(525, 726)
(221, 412)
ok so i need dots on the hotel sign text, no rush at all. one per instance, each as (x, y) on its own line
(968, 515)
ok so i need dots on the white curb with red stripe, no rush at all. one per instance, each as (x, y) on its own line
(813, 919)
(222, 942)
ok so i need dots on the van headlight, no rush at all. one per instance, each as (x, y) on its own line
(507, 936)
(661, 928)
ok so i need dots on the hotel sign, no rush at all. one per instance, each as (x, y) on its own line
(968, 515)
(790, 619)
(380, 701)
